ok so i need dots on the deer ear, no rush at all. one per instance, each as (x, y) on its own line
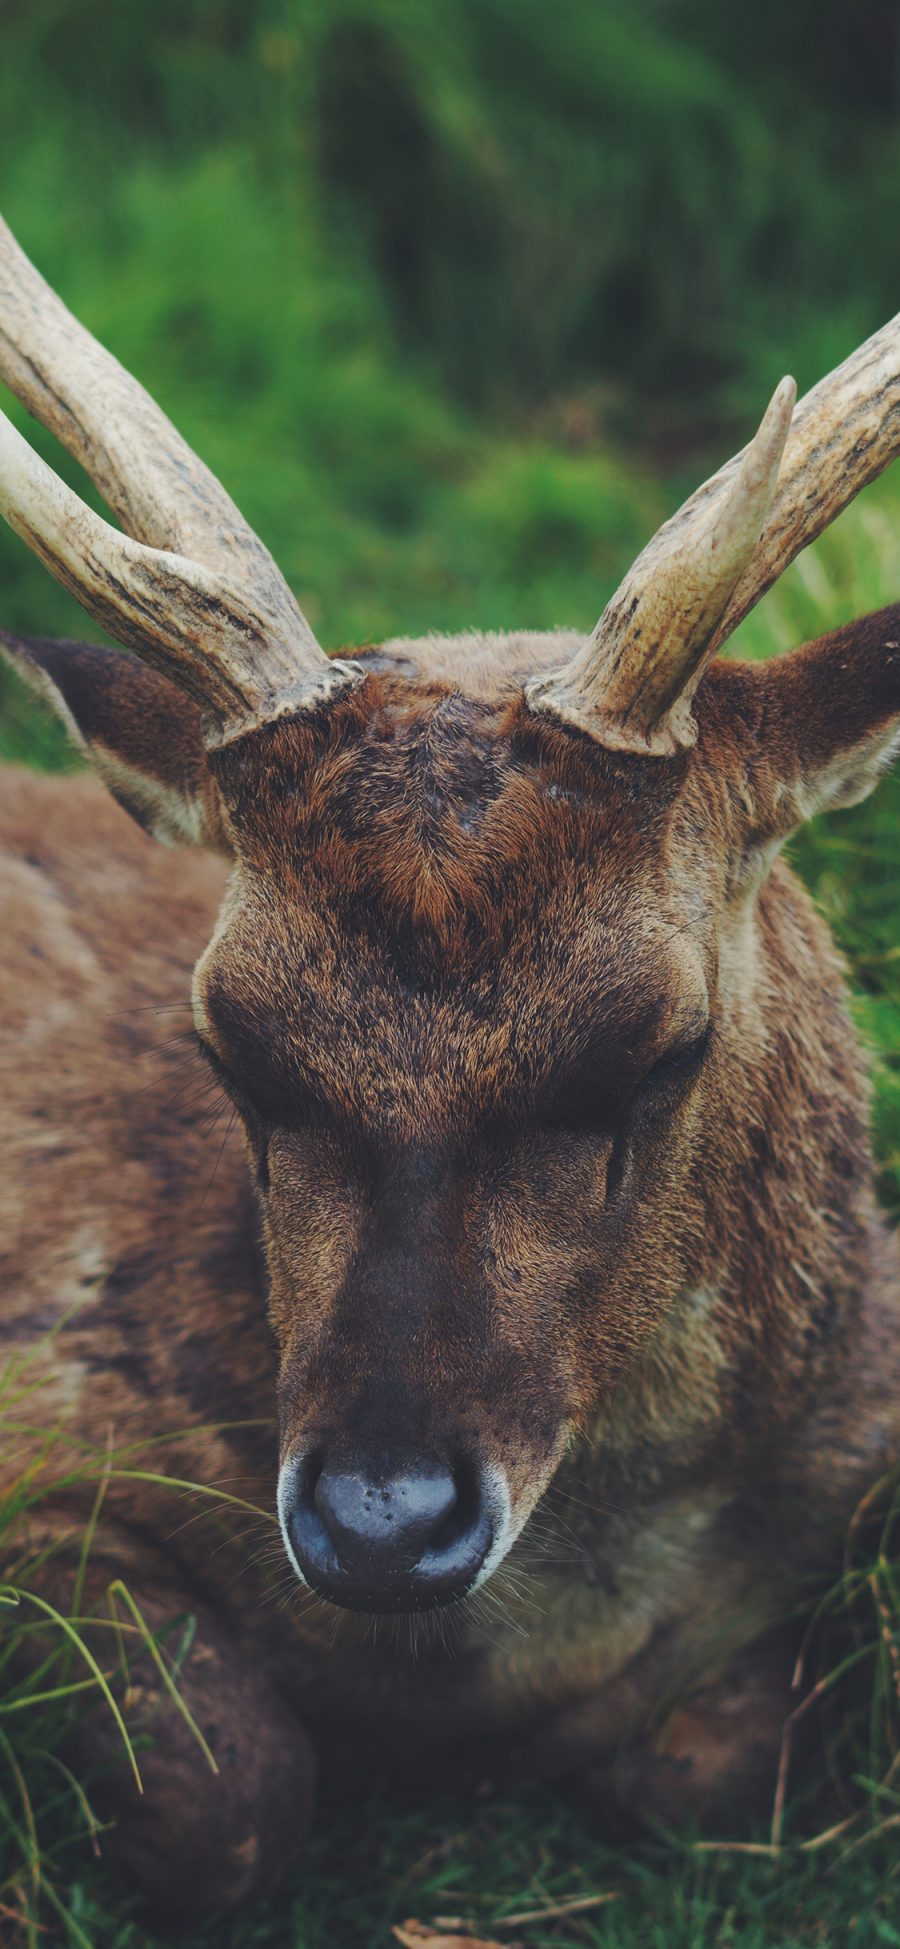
(140, 734)
(827, 725)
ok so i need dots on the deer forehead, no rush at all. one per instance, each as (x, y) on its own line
(505, 984)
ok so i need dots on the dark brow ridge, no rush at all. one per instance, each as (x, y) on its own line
(610, 1058)
(294, 1107)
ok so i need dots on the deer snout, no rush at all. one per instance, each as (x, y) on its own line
(407, 1537)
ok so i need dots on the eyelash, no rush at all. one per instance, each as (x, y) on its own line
(212, 1062)
(254, 1123)
(671, 1069)
(226, 1080)
(680, 1063)
(302, 1111)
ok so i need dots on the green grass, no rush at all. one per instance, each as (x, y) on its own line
(51, 1664)
(362, 1880)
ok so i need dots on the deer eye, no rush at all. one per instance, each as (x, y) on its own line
(254, 1124)
(680, 1064)
(218, 1068)
(229, 1083)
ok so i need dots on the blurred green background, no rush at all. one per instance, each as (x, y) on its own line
(456, 296)
(460, 298)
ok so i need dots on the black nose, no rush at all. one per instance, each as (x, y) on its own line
(388, 1540)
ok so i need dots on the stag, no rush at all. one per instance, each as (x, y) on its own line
(550, 1180)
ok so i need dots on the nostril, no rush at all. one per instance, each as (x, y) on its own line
(460, 1515)
(394, 1519)
(309, 1535)
(414, 1538)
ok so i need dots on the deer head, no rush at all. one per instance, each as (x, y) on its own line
(496, 982)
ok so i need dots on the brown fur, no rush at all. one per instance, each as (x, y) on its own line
(500, 1183)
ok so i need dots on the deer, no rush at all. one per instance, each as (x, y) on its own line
(540, 1287)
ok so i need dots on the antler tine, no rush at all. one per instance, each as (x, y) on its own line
(844, 433)
(181, 617)
(193, 590)
(632, 683)
(156, 487)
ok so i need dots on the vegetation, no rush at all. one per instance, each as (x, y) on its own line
(459, 301)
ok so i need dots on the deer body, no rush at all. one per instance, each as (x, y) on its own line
(718, 1471)
(538, 1272)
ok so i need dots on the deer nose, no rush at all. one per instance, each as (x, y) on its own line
(378, 1540)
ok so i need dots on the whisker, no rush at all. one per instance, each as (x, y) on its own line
(151, 1008)
(228, 1130)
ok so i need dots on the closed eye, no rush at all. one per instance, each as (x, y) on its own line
(600, 1107)
(229, 1083)
(256, 1127)
(212, 1062)
(293, 1106)
(680, 1064)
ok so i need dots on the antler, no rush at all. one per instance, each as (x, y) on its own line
(189, 586)
(632, 683)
